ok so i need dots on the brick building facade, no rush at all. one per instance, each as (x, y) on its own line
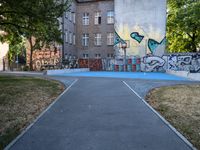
(89, 29)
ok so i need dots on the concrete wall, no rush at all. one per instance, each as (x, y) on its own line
(64, 71)
(3, 51)
(143, 24)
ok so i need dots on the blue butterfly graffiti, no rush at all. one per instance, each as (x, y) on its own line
(118, 39)
(136, 36)
(153, 44)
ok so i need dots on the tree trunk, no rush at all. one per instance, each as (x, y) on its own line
(194, 47)
(31, 54)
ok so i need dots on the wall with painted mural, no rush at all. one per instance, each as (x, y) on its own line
(142, 24)
(150, 63)
(93, 64)
(177, 62)
(45, 59)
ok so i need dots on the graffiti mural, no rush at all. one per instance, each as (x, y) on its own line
(136, 36)
(153, 44)
(150, 63)
(177, 62)
(118, 39)
(45, 59)
(153, 63)
(93, 64)
(189, 62)
(70, 62)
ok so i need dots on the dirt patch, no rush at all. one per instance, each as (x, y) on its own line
(180, 105)
(22, 99)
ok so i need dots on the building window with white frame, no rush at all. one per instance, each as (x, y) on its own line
(74, 17)
(85, 19)
(70, 16)
(85, 39)
(66, 15)
(85, 55)
(97, 39)
(97, 56)
(70, 37)
(110, 38)
(66, 36)
(74, 39)
(110, 17)
(97, 18)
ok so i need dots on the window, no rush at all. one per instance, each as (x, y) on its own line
(66, 36)
(85, 56)
(97, 18)
(70, 37)
(86, 19)
(66, 14)
(110, 55)
(97, 39)
(110, 38)
(97, 56)
(85, 39)
(74, 17)
(74, 39)
(110, 17)
(70, 16)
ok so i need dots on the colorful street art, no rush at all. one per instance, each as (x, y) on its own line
(177, 62)
(118, 39)
(70, 63)
(93, 64)
(153, 44)
(46, 59)
(136, 36)
(189, 62)
(153, 63)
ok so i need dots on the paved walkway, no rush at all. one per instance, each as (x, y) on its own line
(99, 114)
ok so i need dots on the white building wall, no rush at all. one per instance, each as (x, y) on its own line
(3, 51)
(148, 19)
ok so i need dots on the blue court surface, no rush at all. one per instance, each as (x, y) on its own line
(128, 75)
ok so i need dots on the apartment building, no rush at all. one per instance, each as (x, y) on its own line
(89, 29)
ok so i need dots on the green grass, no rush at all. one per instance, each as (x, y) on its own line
(180, 105)
(22, 99)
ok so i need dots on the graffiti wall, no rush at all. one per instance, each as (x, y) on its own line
(184, 62)
(45, 59)
(150, 63)
(177, 62)
(142, 24)
(93, 64)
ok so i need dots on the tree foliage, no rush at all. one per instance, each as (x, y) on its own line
(183, 25)
(35, 20)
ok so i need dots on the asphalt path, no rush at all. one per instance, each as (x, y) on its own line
(99, 114)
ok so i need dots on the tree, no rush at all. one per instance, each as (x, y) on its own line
(36, 20)
(183, 25)
(16, 48)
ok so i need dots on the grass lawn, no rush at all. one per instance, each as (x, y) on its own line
(180, 105)
(22, 99)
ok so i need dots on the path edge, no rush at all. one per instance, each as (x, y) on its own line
(189, 144)
(43, 112)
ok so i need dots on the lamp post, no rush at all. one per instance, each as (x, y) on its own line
(124, 46)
